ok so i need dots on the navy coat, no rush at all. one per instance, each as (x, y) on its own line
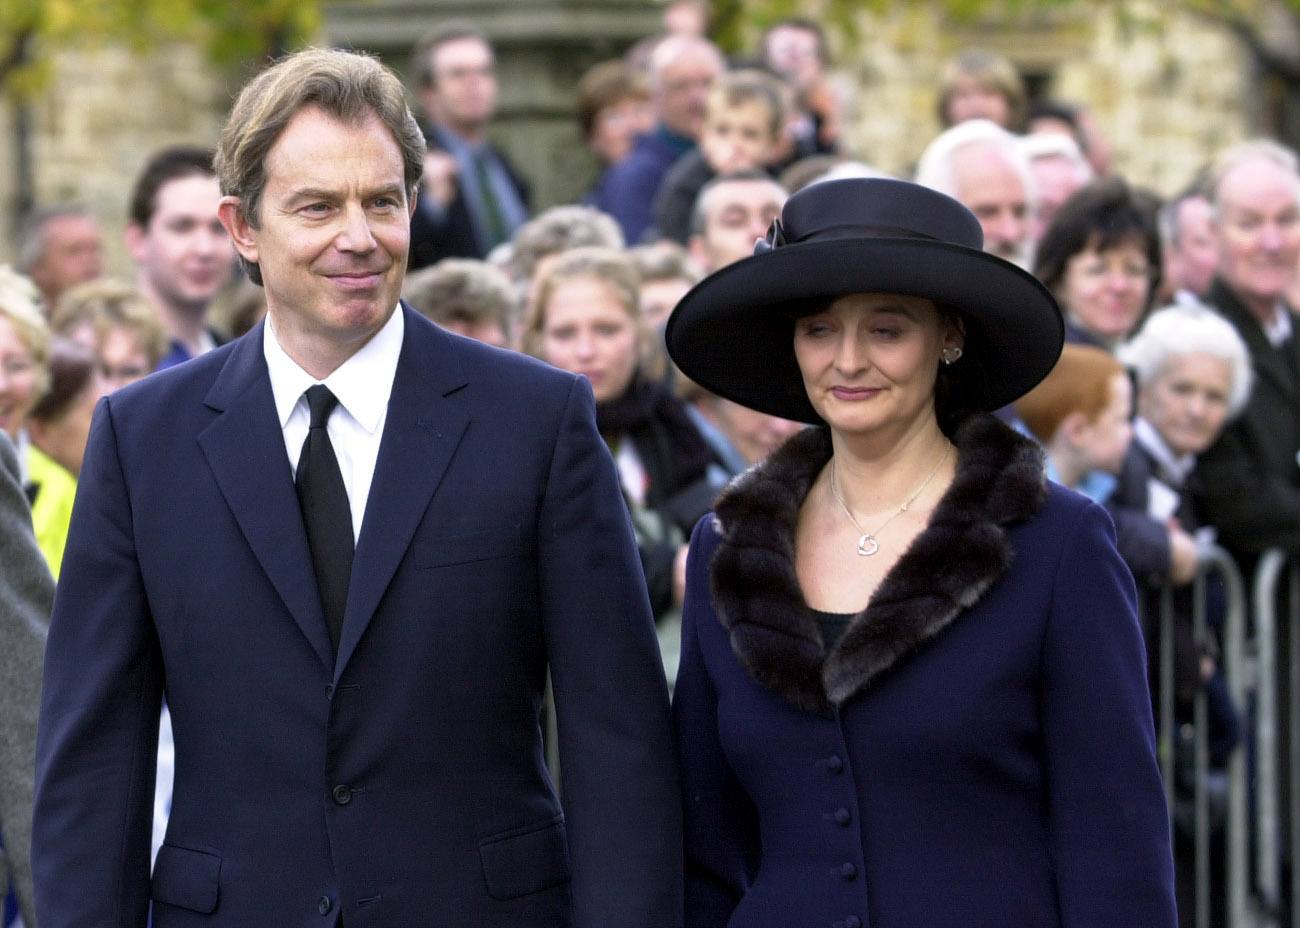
(976, 752)
(402, 784)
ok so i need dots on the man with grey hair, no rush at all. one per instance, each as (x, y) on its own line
(980, 164)
(348, 548)
(1189, 247)
(1059, 169)
(58, 248)
(1251, 475)
(682, 71)
(731, 213)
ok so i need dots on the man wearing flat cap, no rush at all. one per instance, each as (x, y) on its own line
(347, 548)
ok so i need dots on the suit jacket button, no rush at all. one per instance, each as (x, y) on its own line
(342, 795)
(842, 817)
(834, 764)
(852, 922)
(325, 905)
(848, 870)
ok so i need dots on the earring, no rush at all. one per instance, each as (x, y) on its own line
(950, 355)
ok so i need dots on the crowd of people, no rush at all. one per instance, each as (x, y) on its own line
(1175, 404)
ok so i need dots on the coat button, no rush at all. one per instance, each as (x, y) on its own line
(834, 763)
(325, 905)
(842, 817)
(342, 795)
(848, 870)
(852, 922)
(329, 691)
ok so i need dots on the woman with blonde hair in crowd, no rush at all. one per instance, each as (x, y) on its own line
(116, 322)
(24, 356)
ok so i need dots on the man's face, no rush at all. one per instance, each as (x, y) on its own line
(333, 231)
(464, 91)
(184, 255)
(990, 187)
(1258, 231)
(794, 54)
(738, 137)
(1191, 261)
(738, 214)
(1056, 179)
(73, 254)
(682, 90)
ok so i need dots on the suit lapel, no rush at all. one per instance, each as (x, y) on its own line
(426, 418)
(1268, 361)
(244, 447)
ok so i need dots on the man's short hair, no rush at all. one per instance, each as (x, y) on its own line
(440, 35)
(1250, 150)
(664, 260)
(1169, 220)
(463, 290)
(990, 71)
(604, 85)
(935, 168)
(749, 85)
(174, 163)
(704, 202)
(803, 24)
(668, 51)
(33, 237)
(562, 228)
(348, 86)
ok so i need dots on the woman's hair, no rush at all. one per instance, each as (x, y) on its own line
(614, 268)
(1104, 214)
(1185, 329)
(1080, 382)
(110, 304)
(463, 290)
(72, 370)
(604, 85)
(20, 304)
(993, 73)
(664, 260)
(559, 229)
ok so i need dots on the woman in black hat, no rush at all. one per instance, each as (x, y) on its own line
(912, 686)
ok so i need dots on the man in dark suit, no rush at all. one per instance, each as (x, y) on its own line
(1250, 477)
(347, 548)
(473, 199)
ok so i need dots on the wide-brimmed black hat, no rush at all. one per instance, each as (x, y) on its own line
(733, 333)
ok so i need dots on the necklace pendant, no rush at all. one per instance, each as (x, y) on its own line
(867, 546)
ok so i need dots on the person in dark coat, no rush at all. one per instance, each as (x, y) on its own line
(912, 686)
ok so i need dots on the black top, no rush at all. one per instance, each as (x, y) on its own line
(832, 625)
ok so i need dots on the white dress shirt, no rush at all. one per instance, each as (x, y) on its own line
(362, 384)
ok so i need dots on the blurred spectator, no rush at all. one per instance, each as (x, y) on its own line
(796, 49)
(586, 318)
(613, 109)
(1054, 116)
(1191, 254)
(1058, 169)
(979, 84)
(1080, 415)
(740, 437)
(24, 357)
(182, 255)
(1249, 477)
(686, 17)
(1101, 257)
(980, 164)
(742, 128)
(468, 297)
(59, 426)
(559, 229)
(472, 199)
(682, 71)
(60, 247)
(247, 308)
(667, 272)
(731, 214)
(26, 597)
(118, 324)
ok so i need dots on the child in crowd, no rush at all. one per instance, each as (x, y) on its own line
(743, 121)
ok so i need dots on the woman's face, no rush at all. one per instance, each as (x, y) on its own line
(588, 330)
(1187, 402)
(616, 127)
(970, 99)
(1104, 441)
(869, 360)
(1106, 291)
(122, 359)
(18, 377)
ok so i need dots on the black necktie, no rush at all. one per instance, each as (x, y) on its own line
(325, 511)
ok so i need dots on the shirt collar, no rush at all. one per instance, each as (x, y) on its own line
(1175, 466)
(1279, 330)
(362, 383)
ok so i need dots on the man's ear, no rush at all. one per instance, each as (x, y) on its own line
(237, 226)
(1073, 427)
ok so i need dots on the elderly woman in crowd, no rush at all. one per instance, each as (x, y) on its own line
(471, 298)
(586, 317)
(896, 631)
(116, 322)
(1101, 257)
(24, 353)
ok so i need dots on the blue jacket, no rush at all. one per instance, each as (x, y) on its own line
(975, 752)
(627, 189)
(402, 783)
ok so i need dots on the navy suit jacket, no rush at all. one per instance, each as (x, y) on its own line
(402, 784)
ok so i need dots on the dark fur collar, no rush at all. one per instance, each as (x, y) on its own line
(963, 550)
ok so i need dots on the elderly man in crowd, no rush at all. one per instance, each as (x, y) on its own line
(1250, 476)
(183, 258)
(731, 213)
(347, 548)
(58, 248)
(1191, 251)
(1058, 169)
(981, 165)
(682, 71)
(472, 198)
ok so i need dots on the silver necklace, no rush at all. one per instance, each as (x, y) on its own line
(867, 544)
